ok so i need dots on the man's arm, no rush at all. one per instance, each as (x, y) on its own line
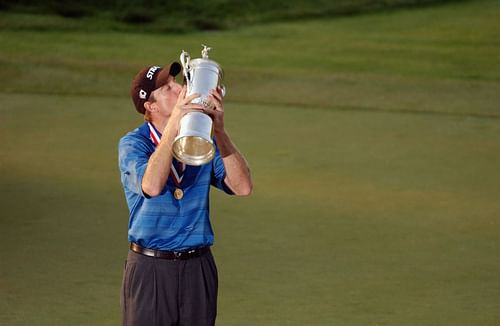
(237, 171)
(158, 168)
(238, 176)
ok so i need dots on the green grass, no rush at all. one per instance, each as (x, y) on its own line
(374, 144)
(411, 60)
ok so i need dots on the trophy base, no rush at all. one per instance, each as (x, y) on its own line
(193, 150)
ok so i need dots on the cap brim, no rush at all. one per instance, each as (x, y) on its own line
(164, 75)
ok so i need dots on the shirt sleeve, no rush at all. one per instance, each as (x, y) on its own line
(219, 173)
(133, 157)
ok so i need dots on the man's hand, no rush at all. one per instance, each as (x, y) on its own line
(182, 107)
(217, 113)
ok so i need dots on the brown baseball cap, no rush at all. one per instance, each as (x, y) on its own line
(149, 79)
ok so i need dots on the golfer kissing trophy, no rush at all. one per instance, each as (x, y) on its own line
(194, 145)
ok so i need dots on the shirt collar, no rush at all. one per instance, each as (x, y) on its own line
(144, 130)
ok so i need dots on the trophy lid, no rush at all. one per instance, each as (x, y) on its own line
(204, 52)
(206, 62)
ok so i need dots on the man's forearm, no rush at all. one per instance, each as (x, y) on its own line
(158, 167)
(238, 176)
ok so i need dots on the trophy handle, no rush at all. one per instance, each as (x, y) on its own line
(185, 59)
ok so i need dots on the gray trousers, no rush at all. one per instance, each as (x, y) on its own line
(162, 292)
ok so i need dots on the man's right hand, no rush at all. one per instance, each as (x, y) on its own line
(182, 107)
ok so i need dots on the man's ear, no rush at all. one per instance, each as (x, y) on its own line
(150, 106)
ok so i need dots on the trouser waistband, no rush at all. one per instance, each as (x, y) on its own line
(172, 255)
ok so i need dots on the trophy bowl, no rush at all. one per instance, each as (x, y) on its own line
(194, 145)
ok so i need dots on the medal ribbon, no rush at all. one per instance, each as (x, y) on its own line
(177, 174)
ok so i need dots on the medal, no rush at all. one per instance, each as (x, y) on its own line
(178, 193)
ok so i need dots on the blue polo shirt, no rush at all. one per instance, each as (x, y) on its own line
(163, 222)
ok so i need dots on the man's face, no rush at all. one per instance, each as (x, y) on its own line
(166, 97)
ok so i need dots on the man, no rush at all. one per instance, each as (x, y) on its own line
(170, 276)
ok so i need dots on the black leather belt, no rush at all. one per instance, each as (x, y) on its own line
(173, 255)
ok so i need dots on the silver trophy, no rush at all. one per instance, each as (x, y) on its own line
(194, 144)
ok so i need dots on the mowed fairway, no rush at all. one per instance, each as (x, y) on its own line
(374, 143)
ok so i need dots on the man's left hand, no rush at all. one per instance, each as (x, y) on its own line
(217, 113)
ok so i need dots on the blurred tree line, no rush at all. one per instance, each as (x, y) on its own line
(202, 14)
